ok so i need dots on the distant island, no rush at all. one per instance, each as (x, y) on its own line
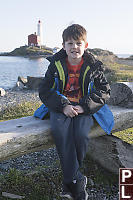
(29, 51)
(46, 51)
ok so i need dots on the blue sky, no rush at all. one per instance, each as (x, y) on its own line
(109, 23)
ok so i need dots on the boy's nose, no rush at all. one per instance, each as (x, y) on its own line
(74, 45)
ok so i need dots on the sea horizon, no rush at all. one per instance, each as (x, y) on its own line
(122, 55)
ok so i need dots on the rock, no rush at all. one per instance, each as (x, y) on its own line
(22, 80)
(100, 52)
(104, 55)
(20, 85)
(33, 82)
(121, 95)
(29, 134)
(2, 92)
(130, 85)
(29, 82)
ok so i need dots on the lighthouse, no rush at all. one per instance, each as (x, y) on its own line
(39, 33)
(36, 39)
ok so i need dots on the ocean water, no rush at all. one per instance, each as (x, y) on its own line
(123, 55)
(12, 67)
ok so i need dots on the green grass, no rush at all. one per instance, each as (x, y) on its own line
(46, 185)
(30, 51)
(126, 135)
(39, 50)
(121, 72)
(20, 110)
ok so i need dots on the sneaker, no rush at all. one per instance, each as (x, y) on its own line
(78, 189)
(66, 192)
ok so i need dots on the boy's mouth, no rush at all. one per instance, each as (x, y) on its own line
(74, 52)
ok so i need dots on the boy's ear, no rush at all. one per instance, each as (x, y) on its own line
(63, 46)
(86, 45)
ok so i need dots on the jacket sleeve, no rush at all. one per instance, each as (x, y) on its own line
(50, 97)
(93, 101)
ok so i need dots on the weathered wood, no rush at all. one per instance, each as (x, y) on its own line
(29, 134)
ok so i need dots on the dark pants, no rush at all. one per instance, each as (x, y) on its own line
(71, 140)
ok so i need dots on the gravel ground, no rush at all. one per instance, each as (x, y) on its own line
(15, 96)
(31, 161)
(43, 158)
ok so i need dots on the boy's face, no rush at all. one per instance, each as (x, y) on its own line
(75, 49)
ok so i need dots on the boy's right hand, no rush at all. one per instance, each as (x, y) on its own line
(69, 111)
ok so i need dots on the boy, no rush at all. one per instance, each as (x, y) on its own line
(71, 107)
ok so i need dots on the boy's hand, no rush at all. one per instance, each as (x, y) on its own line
(79, 109)
(70, 111)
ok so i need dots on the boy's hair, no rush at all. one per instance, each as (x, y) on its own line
(76, 32)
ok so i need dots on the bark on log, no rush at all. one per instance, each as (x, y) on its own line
(29, 134)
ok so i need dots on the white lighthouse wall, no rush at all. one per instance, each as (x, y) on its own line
(39, 33)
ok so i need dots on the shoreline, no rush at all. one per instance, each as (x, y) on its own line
(27, 56)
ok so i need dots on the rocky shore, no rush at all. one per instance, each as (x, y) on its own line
(49, 158)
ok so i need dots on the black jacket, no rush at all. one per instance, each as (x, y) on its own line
(91, 70)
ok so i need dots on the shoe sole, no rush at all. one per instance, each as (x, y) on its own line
(85, 182)
(68, 196)
(86, 198)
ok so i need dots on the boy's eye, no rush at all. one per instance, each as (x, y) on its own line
(70, 43)
(79, 43)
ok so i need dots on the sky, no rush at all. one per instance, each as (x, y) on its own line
(109, 23)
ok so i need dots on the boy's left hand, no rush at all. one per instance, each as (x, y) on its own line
(78, 109)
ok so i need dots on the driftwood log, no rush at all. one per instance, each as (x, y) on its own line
(29, 134)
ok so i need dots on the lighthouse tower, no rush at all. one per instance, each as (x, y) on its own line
(39, 33)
